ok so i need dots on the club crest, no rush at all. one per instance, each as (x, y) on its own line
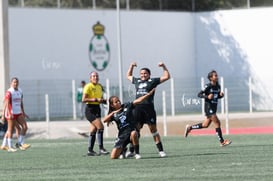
(99, 50)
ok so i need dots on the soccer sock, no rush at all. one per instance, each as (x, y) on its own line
(159, 146)
(131, 148)
(9, 143)
(4, 143)
(136, 149)
(21, 139)
(197, 126)
(219, 134)
(91, 141)
(100, 138)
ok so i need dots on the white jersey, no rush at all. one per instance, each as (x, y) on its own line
(15, 97)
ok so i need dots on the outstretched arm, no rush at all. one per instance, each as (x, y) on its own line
(166, 74)
(130, 71)
(142, 98)
(108, 117)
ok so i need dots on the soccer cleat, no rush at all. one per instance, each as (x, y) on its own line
(137, 156)
(123, 153)
(4, 148)
(92, 153)
(187, 130)
(129, 154)
(162, 154)
(225, 143)
(103, 151)
(22, 147)
(121, 156)
(12, 150)
(26, 146)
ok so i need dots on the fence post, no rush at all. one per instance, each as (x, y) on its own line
(106, 96)
(250, 94)
(172, 97)
(47, 114)
(222, 100)
(226, 107)
(74, 99)
(164, 112)
(203, 100)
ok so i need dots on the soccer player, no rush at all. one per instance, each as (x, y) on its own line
(211, 94)
(123, 116)
(93, 97)
(145, 112)
(13, 111)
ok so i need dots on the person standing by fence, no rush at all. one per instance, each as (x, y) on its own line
(81, 105)
(211, 93)
(14, 113)
(93, 97)
(145, 112)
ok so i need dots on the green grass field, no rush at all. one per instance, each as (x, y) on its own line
(249, 157)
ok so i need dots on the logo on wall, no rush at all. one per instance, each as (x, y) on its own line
(99, 50)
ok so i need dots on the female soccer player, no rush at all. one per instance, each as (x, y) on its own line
(145, 112)
(123, 116)
(13, 111)
(211, 94)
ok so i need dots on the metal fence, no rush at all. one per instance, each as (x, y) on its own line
(180, 96)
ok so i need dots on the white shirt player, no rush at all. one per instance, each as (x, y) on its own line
(15, 97)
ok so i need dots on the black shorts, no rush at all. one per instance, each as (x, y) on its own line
(210, 109)
(92, 112)
(123, 138)
(145, 114)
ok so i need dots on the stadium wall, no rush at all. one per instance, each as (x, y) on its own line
(50, 47)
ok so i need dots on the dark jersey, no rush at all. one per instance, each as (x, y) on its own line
(124, 119)
(210, 104)
(143, 87)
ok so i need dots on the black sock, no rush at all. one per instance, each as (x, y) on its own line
(136, 149)
(197, 126)
(219, 134)
(100, 138)
(124, 151)
(131, 148)
(159, 146)
(91, 141)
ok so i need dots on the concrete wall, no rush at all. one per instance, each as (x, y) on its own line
(53, 44)
(238, 44)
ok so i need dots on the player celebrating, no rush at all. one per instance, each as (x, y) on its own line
(123, 116)
(211, 94)
(145, 112)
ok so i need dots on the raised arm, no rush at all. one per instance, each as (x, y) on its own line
(166, 74)
(130, 71)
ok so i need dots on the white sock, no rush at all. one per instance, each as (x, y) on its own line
(21, 139)
(9, 143)
(4, 142)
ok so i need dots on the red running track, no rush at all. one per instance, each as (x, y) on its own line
(254, 130)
